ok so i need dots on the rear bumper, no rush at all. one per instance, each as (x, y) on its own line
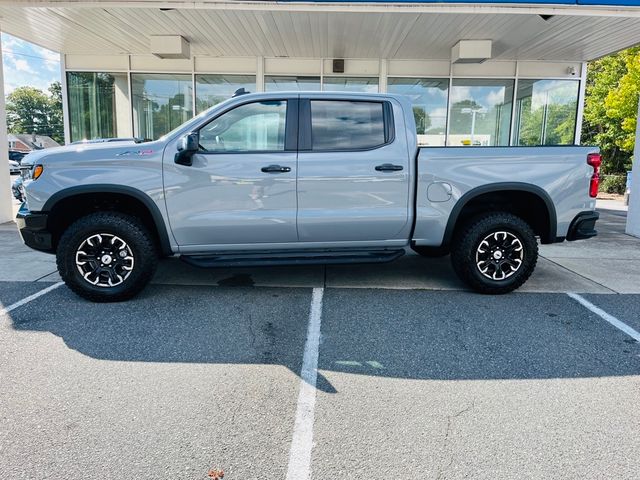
(583, 226)
(33, 229)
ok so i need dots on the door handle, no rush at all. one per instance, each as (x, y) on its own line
(388, 167)
(275, 169)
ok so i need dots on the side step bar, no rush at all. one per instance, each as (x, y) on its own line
(263, 259)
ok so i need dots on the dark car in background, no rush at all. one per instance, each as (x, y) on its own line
(17, 155)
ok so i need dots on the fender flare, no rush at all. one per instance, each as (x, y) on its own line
(150, 205)
(501, 187)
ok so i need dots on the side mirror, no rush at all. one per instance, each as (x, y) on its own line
(187, 146)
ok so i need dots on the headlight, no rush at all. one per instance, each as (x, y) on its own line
(25, 172)
(37, 171)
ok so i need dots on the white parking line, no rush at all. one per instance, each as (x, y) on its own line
(302, 441)
(606, 316)
(24, 301)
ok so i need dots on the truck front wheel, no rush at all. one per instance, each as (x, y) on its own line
(106, 257)
(494, 253)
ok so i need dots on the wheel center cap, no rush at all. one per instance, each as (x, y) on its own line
(497, 255)
(105, 258)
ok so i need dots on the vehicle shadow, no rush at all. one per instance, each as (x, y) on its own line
(410, 334)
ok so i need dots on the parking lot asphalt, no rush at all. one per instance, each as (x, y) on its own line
(417, 378)
(168, 385)
(411, 384)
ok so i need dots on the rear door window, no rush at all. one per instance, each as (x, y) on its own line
(346, 125)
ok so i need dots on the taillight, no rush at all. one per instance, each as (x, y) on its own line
(595, 160)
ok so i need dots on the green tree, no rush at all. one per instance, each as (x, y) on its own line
(56, 123)
(551, 124)
(611, 107)
(423, 121)
(27, 109)
(461, 122)
(30, 110)
(622, 103)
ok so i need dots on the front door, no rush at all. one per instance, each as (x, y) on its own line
(353, 173)
(241, 188)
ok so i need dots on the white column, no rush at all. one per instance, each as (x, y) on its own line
(384, 72)
(259, 74)
(6, 200)
(581, 98)
(122, 105)
(633, 217)
(65, 99)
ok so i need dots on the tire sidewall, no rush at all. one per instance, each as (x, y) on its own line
(526, 260)
(465, 262)
(126, 228)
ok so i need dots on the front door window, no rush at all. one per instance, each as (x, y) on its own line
(253, 127)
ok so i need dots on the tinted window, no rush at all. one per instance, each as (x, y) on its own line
(429, 99)
(286, 83)
(99, 105)
(161, 102)
(344, 125)
(257, 127)
(546, 112)
(480, 112)
(213, 89)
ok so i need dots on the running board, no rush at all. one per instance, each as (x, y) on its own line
(263, 259)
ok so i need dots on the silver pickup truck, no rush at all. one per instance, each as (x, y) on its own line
(302, 178)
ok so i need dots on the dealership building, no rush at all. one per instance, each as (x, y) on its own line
(488, 73)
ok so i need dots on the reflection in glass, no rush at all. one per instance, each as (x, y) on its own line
(546, 112)
(480, 112)
(253, 127)
(161, 102)
(274, 83)
(429, 99)
(351, 84)
(213, 89)
(98, 105)
(340, 125)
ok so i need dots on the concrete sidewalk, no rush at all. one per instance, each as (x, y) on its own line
(609, 263)
(612, 259)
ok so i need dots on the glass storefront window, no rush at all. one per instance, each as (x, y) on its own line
(429, 99)
(161, 102)
(546, 112)
(274, 83)
(479, 109)
(480, 112)
(351, 84)
(213, 89)
(98, 105)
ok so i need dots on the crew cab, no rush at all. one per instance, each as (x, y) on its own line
(302, 178)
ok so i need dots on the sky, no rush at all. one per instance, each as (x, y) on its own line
(28, 64)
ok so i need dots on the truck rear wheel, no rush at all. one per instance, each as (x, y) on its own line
(494, 253)
(106, 257)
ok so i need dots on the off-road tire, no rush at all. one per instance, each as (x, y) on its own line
(130, 230)
(468, 238)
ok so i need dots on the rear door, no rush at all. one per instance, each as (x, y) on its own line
(353, 171)
(241, 188)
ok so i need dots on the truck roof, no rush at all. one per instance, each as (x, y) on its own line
(315, 93)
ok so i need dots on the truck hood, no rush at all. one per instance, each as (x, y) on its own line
(91, 150)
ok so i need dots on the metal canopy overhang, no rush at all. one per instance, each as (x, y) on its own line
(322, 29)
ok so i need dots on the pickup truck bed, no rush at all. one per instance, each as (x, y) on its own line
(547, 186)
